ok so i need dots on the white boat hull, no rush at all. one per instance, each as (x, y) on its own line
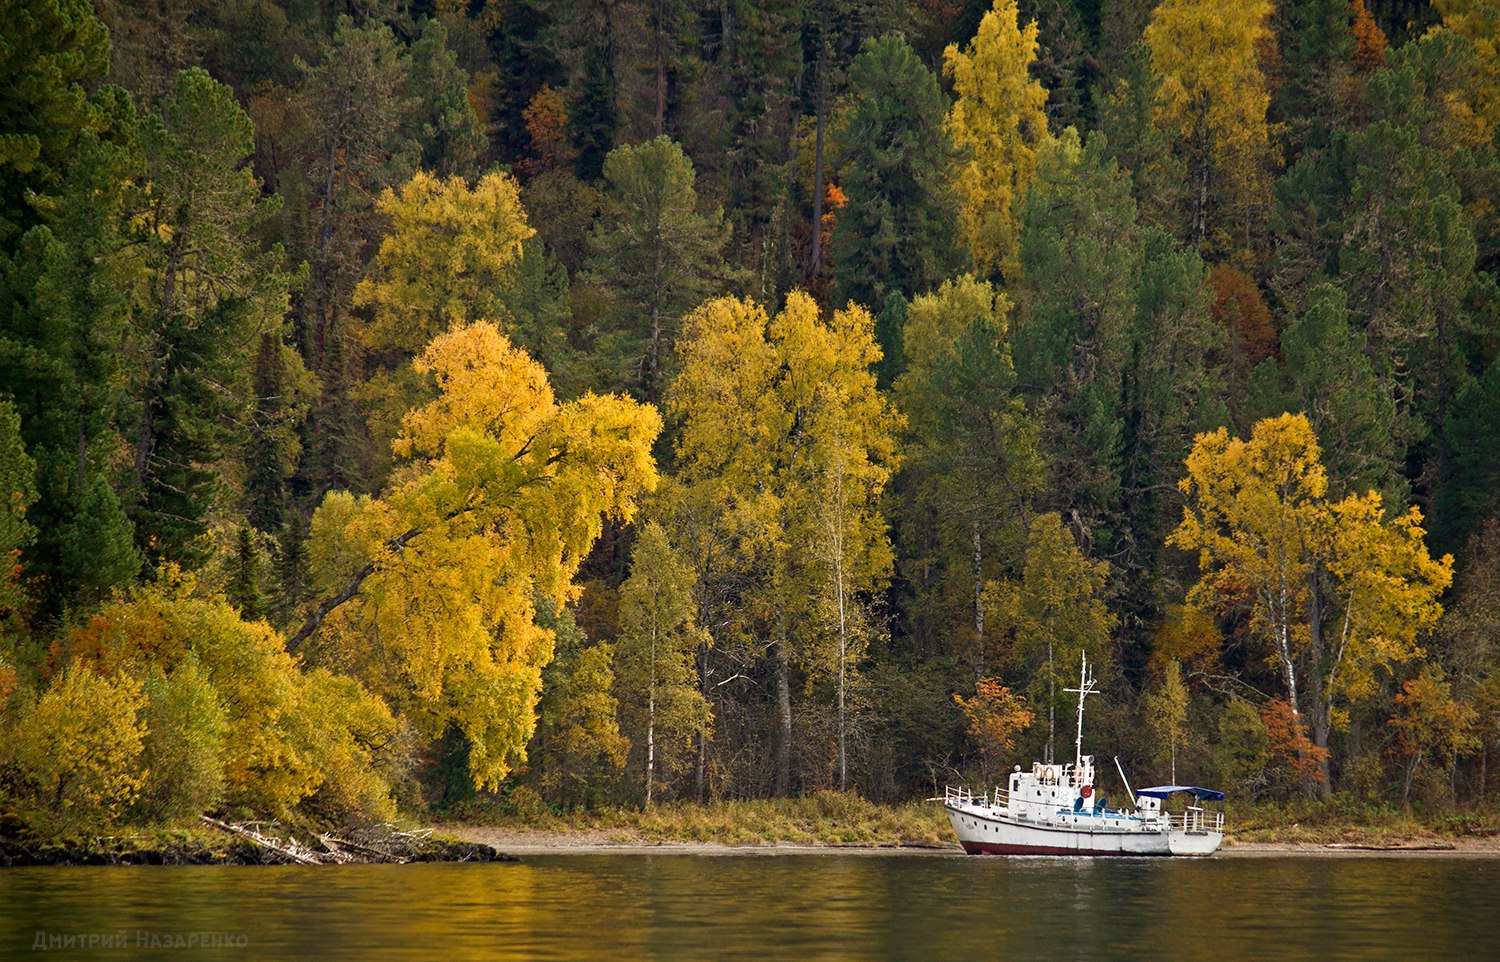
(983, 830)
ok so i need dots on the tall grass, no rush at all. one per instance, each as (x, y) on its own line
(825, 818)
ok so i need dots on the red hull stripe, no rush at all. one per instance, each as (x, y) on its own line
(993, 848)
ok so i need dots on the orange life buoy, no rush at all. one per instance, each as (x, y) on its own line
(1087, 791)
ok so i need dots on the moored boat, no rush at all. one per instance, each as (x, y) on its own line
(1055, 809)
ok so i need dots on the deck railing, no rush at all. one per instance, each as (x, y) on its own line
(963, 796)
(1197, 820)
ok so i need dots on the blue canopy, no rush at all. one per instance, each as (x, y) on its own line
(1202, 794)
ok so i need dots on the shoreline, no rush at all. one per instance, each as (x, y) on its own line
(524, 842)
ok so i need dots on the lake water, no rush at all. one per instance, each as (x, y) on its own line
(784, 906)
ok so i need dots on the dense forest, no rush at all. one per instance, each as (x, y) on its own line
(602, 402)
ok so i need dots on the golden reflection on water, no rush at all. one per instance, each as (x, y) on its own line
(804, 907)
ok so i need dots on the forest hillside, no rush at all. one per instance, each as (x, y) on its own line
(407, 406)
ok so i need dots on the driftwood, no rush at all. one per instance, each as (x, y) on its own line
(384, 844)
(288, 849)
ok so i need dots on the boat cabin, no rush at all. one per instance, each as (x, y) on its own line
(1050, 787)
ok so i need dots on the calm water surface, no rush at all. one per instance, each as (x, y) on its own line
(920, 907)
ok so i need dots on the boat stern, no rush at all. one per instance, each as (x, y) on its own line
(1194, 843)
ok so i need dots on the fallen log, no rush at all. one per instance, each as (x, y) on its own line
(284, 849)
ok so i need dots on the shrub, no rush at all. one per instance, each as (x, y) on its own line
(183, 752)
(77, 752)
(357, 745)
(288, 738)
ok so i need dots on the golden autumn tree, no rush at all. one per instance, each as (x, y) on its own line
(1212, 98)
(997, 118)
(1338, 590)
(783, 426)
(290, 739)
(429, 589)
(1166, 710)
(1477, 109)
(74, 753)
(450, 254)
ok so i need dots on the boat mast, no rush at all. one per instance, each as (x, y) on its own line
(1084, 689)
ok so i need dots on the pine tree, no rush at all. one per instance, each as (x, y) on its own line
(443, 121)
(210, 292)
(354, 97)
(973, 465)
(17, 493)
(244, 591)
(66, 285)
(1327, 375)
(53, 51)
(1317, 44)
(1079, 264)
(659, 253)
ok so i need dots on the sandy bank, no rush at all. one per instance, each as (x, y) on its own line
(518, 841)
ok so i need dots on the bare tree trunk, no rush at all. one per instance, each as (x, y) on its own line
(783, 717)
(661, 69)
(83, 454)
(1200, 207)
(838, 571)
(1317, 689)
(651, 715)
(979, 659)
(700, 766)
(1051, 701)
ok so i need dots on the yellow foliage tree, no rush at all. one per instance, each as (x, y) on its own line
(1166, 709)
(449, 256)
(500, 497)
(289, 738)
(1212, 97)
(784, 429)
(1478, 22)
(659, 640)
(1338, 590)
(997, 119)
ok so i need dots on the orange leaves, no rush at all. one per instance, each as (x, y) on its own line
(1429, 720)
(546, 124)
(1287, 741)
(8, 683)
(1369, 40)
(995, 717)
(1240, 310)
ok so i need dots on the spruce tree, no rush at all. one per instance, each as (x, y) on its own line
(898, 231)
